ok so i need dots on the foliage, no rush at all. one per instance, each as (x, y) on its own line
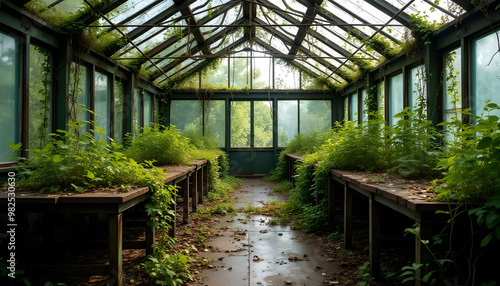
(71, 162)
(364, 275)
(168, 269)
(164, 146)
(473, 165)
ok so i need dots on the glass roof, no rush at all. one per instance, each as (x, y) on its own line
(175, 38)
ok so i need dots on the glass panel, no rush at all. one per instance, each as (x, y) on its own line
(217, 120)
(156, 115)
(395, 97)
(40, 99)
(216, 79)
(417, 89)
(346, 108)
(186, 115)
(485, 73)
(364, 105)
(148, 109)
(79, 98)
(263, 124)
(287, 121)
(240, 70)
(240, 124)
(285, 76)
(452, 95)
(353, 113)
(119, 95)
(137, 108)
(381, 96)
(262, 72)
(315, 115)
(9, 85)
(102, 106)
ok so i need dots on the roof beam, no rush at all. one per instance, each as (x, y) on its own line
(466, 4)
(191, 20)
(207, 43)
(249, 13)
(276, 51)
(159, 18)
(307, 20)
(292, 20)
(390, 10)
(156, 50)
(355, 16)
(89, 19)
(227, 49)
(300, 48)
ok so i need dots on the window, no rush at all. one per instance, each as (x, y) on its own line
(137, 108)
(216, 120)
(148, 109)
(452, 93)
(288, 125)
(364, 106)
(186, 115)
(118, 123)
(79, 98)
(315, 115)
(102, 106)
(286, 77)
(40, 97)
(9, 85)
(381, 96)
(353, 106)
(485, 73)
(263, 124)
(417, 88)
(240, 124)
(395, 97)
(239, 71)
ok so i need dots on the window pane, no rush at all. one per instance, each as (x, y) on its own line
(395, 97)
(40, 83)
(137, 108)
(216, 79)
(353, 115)
(156, 115)
(119, 94)
(263, 124)
(287, 121)
(240, 124)
(315, 115)
(148, 109)
(381, 96)
(9, 85)
(364, 106)
(417, 88)
(285, 76)
(239, 70)
(485, 73)
(216, 120)
(79, 95)
(262, 72)
(186, 115)
(102, 106)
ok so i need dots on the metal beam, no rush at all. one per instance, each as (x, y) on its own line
(307, 20)
(292, 20)
(191, 20)
(390, 10)
(90, 18)
(466, 4)
(207, 43)
(159, 18)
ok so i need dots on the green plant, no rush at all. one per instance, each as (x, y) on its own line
(364, 275)
(163, 146)
(168, 269)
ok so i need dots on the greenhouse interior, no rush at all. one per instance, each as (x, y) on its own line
(250, 142)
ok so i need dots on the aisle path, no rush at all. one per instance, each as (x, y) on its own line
(252, 252)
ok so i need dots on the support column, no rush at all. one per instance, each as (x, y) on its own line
(115, 250)
(347, 218)
(374, 237)
(199, 178)
(422, 255)
(194, 191)
(185, 199)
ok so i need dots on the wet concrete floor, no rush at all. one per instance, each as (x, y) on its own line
(252, 252)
